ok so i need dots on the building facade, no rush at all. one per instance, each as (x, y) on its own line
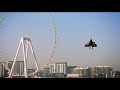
(58, 69)
(18, 68)
(2, 69)
(116, 74)
(94, 72)
(81, 71)
(45, 73)
(73, 76)
(101, 72)
(88, 72)
(70, 68)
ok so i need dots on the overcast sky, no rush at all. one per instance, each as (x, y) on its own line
(75, 29)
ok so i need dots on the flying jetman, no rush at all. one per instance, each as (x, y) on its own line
(91, 44)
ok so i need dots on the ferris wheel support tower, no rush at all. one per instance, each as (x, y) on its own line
(25, 55)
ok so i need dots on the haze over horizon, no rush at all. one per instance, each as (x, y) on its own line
(75, 29)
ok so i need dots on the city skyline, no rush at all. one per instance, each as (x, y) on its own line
(75, 29)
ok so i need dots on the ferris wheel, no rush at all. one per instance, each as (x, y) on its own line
(2, 19)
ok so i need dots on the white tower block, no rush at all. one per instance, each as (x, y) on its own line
(25, 55)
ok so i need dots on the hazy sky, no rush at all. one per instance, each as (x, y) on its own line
(75, 29)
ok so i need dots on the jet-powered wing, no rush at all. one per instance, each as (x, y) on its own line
(94, 45)
(91, 44)
(87, 45)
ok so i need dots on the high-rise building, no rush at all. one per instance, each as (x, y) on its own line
(70, 68)
(45, 72)
(3, 71)
(88, 72)
(102, 71)
(81, 71)
(116, 74)
(19, 67)
(94, 72)
(58, 69)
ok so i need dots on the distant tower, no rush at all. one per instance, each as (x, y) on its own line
(25, 55)
(2, 69)
(18, 68)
